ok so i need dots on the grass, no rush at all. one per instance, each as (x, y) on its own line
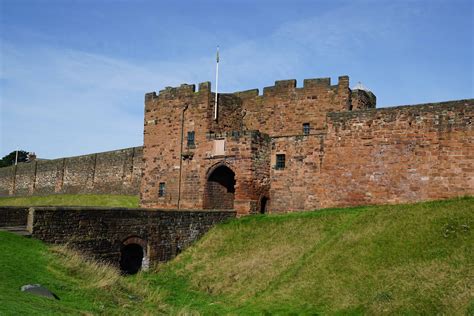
(397, 259)
(84, 287)
(72, 200)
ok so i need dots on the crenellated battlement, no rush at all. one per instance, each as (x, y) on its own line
(280, 86)
(281, 109)
(284, 107)
(317, 82)
(290, 85)
(182, 90)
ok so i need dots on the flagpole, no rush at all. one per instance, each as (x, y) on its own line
(217, 83)
(16, 157)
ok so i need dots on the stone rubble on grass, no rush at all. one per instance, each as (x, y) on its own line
(39, 290)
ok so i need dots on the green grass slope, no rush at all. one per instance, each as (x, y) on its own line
(72, 200)
(84, 287)
(402, 259)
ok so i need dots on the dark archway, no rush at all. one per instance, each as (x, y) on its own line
(220, 189)
(131, 258)
(263, 204)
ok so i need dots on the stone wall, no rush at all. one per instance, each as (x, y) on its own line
(7, 178)
(297, 185)
(351, 154)
(283, 108)
(245, 155)
(13, 216)
(399, 155)
(392, 155)
(169, 116)
(113, 172)
(229, 115)
(103, 232)
(183, 168)
(362, 100)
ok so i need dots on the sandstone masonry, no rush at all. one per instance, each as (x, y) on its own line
(286, 149)
(305, 148)
(112, 172)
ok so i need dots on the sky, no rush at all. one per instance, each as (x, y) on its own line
(73, 74)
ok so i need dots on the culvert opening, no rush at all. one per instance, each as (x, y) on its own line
(131, 258)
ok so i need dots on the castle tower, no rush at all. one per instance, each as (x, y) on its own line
(192, 161)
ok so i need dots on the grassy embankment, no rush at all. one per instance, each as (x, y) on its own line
(84, 287)
(403, 259)
(72, 200)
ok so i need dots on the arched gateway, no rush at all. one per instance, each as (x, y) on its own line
(220, 188)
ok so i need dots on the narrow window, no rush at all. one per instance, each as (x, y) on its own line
(280, 161)
(306, 128)
(191, 143)
(161, 190)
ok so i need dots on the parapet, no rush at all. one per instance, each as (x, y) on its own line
(247, 94)
(440, 114)
(317, 82)
(176, 92)
(284, 86)
(312, 88)
(182, 90)
(281, 86)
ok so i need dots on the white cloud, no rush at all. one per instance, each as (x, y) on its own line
(63, 102)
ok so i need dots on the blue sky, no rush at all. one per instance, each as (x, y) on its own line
(73, 74)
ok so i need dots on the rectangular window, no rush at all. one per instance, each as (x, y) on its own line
(280, 161)
(191, 143)
(161, 190)
(306, 128)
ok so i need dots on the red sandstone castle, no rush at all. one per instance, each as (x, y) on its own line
(292, 148)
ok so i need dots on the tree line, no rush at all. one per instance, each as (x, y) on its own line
(9, 159)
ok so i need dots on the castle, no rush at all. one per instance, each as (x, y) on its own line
(305, 148)
(286, 149)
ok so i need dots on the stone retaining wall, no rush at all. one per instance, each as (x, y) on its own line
(103, 232)
(13, 216)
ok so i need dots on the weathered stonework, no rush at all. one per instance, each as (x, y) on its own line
(113, 172)
(13, 216)
(104, 232)
(399, 155)
(289, 149)
(338, 149)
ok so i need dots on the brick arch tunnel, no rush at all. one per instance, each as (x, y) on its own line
(220, 188)
(133, 255)
(130, 239)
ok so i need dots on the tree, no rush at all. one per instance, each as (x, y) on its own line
(9, 159)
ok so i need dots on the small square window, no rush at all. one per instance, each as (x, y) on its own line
(280, 161)
(161, 190)
(306, 128)
(191, 143)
